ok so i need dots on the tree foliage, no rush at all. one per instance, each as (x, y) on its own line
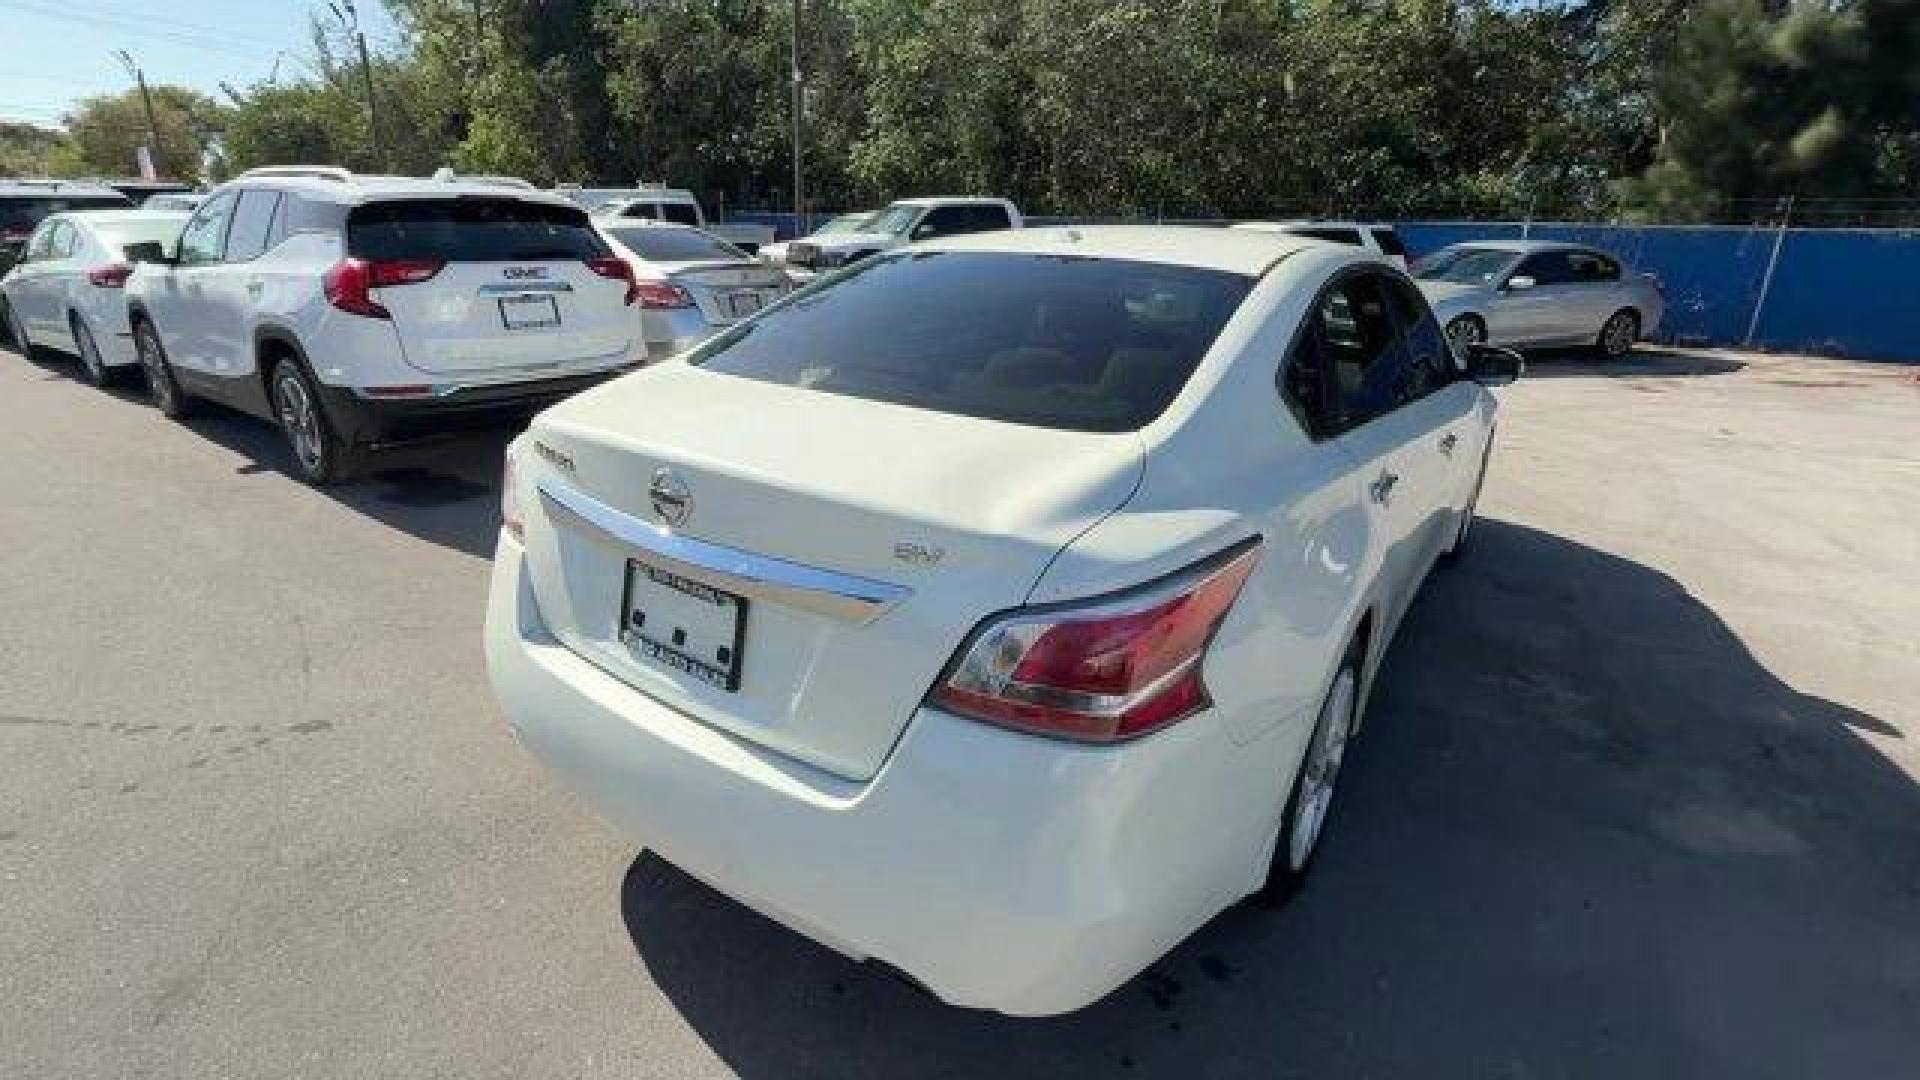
(1181, 107)
(106, 129)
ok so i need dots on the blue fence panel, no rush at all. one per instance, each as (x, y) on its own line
(1849, 292)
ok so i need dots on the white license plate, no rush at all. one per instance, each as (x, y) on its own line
(739, 305)
(684, 625)
(529, 312)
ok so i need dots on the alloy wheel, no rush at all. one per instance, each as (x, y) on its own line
(1617, 337)
(1321, 770)
(300, 420)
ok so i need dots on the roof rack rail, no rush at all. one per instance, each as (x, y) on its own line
(445, 175)
(318, 172)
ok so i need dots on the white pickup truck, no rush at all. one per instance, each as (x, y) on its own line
(657, 202)
(901, 222)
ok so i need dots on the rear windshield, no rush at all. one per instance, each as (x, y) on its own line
(472, 229)
(675, 245)
(164, 231)
(19, 215)
(1045, 340)
(1350, 237)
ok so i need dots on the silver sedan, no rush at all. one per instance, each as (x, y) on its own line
(690, 284)
(1540, 294)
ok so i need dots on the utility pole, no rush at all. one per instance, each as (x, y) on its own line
(350, 19)
(146, 101)
(799, 110)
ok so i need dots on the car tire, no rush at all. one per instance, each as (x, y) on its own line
(162, 387)
(1310, 802)
(320, 456)
(91, 363)
(1618, 333)
(1465, 330)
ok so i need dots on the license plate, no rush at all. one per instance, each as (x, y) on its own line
(529, 312)
(739, 305)
(684, 625)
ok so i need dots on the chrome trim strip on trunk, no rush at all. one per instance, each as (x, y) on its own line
(524, 288)
(846, 597)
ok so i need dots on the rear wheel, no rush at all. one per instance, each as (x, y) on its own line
(1310, 804)
(1618, 334)
(172, 402)
(98, 373)
(319, 456)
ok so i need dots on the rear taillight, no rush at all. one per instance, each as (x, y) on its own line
(350, 282)
(1104, 670)
(660, 295)
(110, 276)
(510, 519)
(617, 269)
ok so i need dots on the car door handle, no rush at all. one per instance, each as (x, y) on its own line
(1448, 443)
(1382, 488)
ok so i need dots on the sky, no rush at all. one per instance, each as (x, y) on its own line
(55, 52)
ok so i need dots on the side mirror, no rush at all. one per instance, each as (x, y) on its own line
(1520, 283)
(1491, 365)
(147, 251)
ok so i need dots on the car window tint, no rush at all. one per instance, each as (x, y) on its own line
(1589, 266)
(1429, 358)
(205, 236)
(1546, 268)
(1361, 349)
(957, 220)
(1389, 242)
(1349, 237)
(60, 245)
(471, 230)
(41, 242)
(675, 245)
(252, 223)
(680, 213)
(1043, 340)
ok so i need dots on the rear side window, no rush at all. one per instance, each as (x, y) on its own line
(1349, 237)
(252, 222)
(471, 230)
(1389, 242)
(675, 245)
(1349, 364)
(1044, 340)
(958, 220)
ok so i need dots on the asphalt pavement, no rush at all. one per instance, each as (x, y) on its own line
(1638, 796)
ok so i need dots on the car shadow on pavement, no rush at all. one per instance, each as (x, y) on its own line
(1644, 362)
(444, 490)
(1586, 833)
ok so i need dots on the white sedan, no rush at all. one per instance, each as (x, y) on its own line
(1001, 608)
(67, 290)
(1538, 293)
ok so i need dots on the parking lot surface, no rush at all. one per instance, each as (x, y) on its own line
(1637, 798)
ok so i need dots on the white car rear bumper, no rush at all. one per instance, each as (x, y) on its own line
(1000, 871)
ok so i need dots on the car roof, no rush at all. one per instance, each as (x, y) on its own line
(1524, 247)
(953, 200)
(115, 217)
(55, 189)
(1309, 223)
(352, 189)
(1236, 251)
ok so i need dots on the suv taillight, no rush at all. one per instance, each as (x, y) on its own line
(618, 269)
(350, 282)
(1103, 670)
(110, 276)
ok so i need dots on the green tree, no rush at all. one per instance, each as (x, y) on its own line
(27, 150)
(107, 128)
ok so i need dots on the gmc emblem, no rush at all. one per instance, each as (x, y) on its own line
(519, 273)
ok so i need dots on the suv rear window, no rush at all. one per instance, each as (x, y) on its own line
(472, 229)
(1044, 340)
(1350, 237)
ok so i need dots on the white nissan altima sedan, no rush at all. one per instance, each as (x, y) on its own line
(999, 608)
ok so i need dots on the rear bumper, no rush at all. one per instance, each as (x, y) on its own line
(1000, 871)
(370, 422)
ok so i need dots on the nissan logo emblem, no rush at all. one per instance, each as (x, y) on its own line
(670, 498)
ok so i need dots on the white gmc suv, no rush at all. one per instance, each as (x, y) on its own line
(357, 311)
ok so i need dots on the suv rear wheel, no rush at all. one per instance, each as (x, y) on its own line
(320, 456)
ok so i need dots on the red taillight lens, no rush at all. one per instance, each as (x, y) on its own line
(350, 282)
(110, 276)
(660, 295)
(617, 269)
(1105, 671)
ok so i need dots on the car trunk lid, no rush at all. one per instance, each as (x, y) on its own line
(866, 538)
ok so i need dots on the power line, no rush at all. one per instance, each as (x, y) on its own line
(229, 45)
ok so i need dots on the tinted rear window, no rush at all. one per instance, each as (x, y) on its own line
(471, 230)
(675, 245)
(1338, 236)
(1389, 242)
(1045, 340)
(23, 215)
